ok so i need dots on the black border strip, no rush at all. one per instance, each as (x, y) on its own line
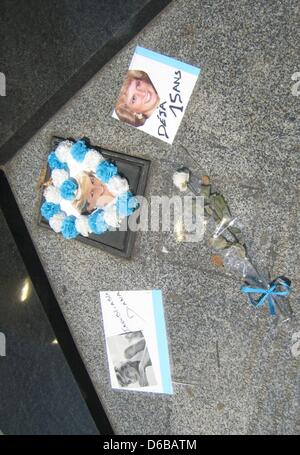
(51, 307)
(133, 26)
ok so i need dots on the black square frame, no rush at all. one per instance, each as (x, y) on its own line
(136, 170)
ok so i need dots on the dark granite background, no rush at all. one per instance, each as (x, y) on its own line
(44, 44)
(38, 394)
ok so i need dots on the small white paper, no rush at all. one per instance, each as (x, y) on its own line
(155, 93)
(136, 341)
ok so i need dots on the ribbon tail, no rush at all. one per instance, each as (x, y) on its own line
(272, 306)
(261, 300)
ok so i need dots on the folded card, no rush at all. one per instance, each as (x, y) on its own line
(136, 341)
(155, 93)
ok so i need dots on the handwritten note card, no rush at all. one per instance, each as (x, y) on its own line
(136, 341)
(155, 93)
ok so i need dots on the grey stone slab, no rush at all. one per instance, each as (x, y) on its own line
(233, 370)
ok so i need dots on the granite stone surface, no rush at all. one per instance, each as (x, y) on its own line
(233, 369)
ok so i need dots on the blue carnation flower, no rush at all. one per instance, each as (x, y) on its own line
(97, 223)
(79, 150)
(69, 189)
(106, 170)
(55, 163)
(49, 209)
(126, 204)
(68, 228)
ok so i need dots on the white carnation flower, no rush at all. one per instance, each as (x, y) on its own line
(181, 179)
(59, 176)
(82, 225)
(91, 160)
(69, 208)
(56, 221)
(52, 194)
(75, 167)
(117, 185)
(63, 151)
(110, 216)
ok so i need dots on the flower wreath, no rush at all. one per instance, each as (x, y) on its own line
(68, 160)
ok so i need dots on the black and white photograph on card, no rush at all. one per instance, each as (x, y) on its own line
(131, 360)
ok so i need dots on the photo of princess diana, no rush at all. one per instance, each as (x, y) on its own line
(138, 98)
(131, 360)
(92, 193)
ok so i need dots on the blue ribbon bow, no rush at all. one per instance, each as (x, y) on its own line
(268, 294)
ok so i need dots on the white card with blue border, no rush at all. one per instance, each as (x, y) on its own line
(136, 341)
(155, 93)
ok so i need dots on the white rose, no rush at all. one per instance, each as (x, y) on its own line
(91, 160)
(59, 176)
(52, 194)
(117, 185)
(56, 221)
(181, 179)
(82, 225)
(69, 208)
(75, 167)
(110, 217)
(63, 151)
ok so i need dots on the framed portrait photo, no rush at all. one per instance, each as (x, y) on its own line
(89, 194)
